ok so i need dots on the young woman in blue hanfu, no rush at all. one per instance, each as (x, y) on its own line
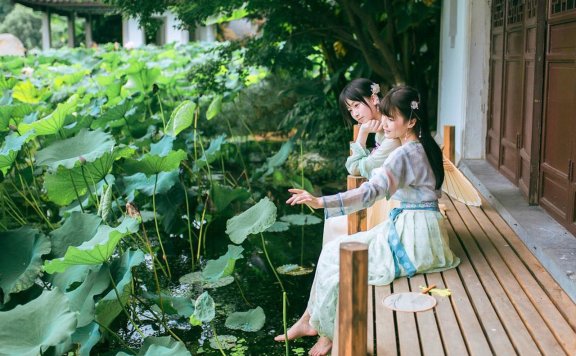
(413, 239)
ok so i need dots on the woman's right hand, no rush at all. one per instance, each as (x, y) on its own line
(372, 126)
(300, 196)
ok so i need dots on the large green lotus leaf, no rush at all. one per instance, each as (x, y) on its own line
(142, 80)
(211, 154)
(173, 305)
(160, 346)
(10, 148)
(77, 229)
(26, 92)
(223, 195)
(278, 226)
(82, 298)
(277, 160)
(223, 266)
(21, 253)
(251, 320)
(163, 147)
(196, 278)
(181, 118)
(115, 116)
(73, 275)
(108, 308)
(152, 164)
(90, 145)
(52, 123)
(204, 309)
(144, 184)
(301, 219)
(252, 221)
(13, 114)
(61, 186)
(95, 251)
(30, 329)
(214, 108)
(87, 337)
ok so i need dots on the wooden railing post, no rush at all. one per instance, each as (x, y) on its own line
(356, 221)
(353, 299)
(449, 147)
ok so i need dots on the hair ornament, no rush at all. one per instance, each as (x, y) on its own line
(414, 105)
(375, 88)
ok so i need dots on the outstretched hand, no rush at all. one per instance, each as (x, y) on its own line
(300, 196)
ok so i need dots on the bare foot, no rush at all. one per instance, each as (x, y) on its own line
(322, 347)
(300, 328)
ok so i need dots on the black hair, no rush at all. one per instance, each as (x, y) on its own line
(357, 90)
(405, 101)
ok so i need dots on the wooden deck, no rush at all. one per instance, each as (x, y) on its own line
(503, 301)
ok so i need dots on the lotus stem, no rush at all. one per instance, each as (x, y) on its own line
(188, 225)
(161, 110)
(239, 154)
(241, 291)
(217, 339)
(201, 228)
(284, 322)
(116, 336)
(158, 229)
(122, 305)
(76, 192)
(271, 265)
(88, 187)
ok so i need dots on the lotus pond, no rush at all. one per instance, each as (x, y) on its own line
(129, 224)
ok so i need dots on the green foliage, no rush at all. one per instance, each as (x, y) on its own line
(250, 321)
(22, 22)
(252, 221)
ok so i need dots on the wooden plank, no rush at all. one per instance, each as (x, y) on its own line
(430, 341)
(448, 327)
(385, 325)
(407, 333)
(516, 330)
(370, 338)
(353, 298)
(532, 320)
(564, 304)
(481, 328)
(522, 271)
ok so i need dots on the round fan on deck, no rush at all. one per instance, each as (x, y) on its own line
(457, 186)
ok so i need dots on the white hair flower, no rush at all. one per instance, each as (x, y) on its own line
(414, 105)
(375, 88)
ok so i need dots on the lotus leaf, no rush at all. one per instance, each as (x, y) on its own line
(95, 251)
(115, 116)
(294, 270)
(82, 298)
(87, 337)
(252, 221)
(52, 123)
(196, 278)
(210, 154)
(181, 118)
(12, 145)
(144, 184)
(214, 108)
(73, 275)
(108, 308)
(90, 145)
(204, 308)
(21, 253)
(226, 342)
(223, 195)
(173, 305)
(78, 228)
(278, 226)
(161, 346)
(223, 266)
(301, 219)
(277, 160)
(251, 320)
(30, 329)
(26, 92)
(152, 164)
(162, 147)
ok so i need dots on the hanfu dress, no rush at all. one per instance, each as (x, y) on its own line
(362, 162)
(413, 240)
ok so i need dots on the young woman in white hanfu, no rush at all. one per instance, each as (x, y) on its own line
(359, 100)
(413, 240)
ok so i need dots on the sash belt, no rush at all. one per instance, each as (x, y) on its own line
(398, 252)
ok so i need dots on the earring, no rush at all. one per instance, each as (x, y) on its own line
(420, 133)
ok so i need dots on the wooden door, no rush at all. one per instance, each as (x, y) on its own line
(512, 79)
(557, 181)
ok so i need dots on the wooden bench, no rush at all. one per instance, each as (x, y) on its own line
(503, 301)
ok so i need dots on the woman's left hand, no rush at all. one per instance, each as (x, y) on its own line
(300, 196)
